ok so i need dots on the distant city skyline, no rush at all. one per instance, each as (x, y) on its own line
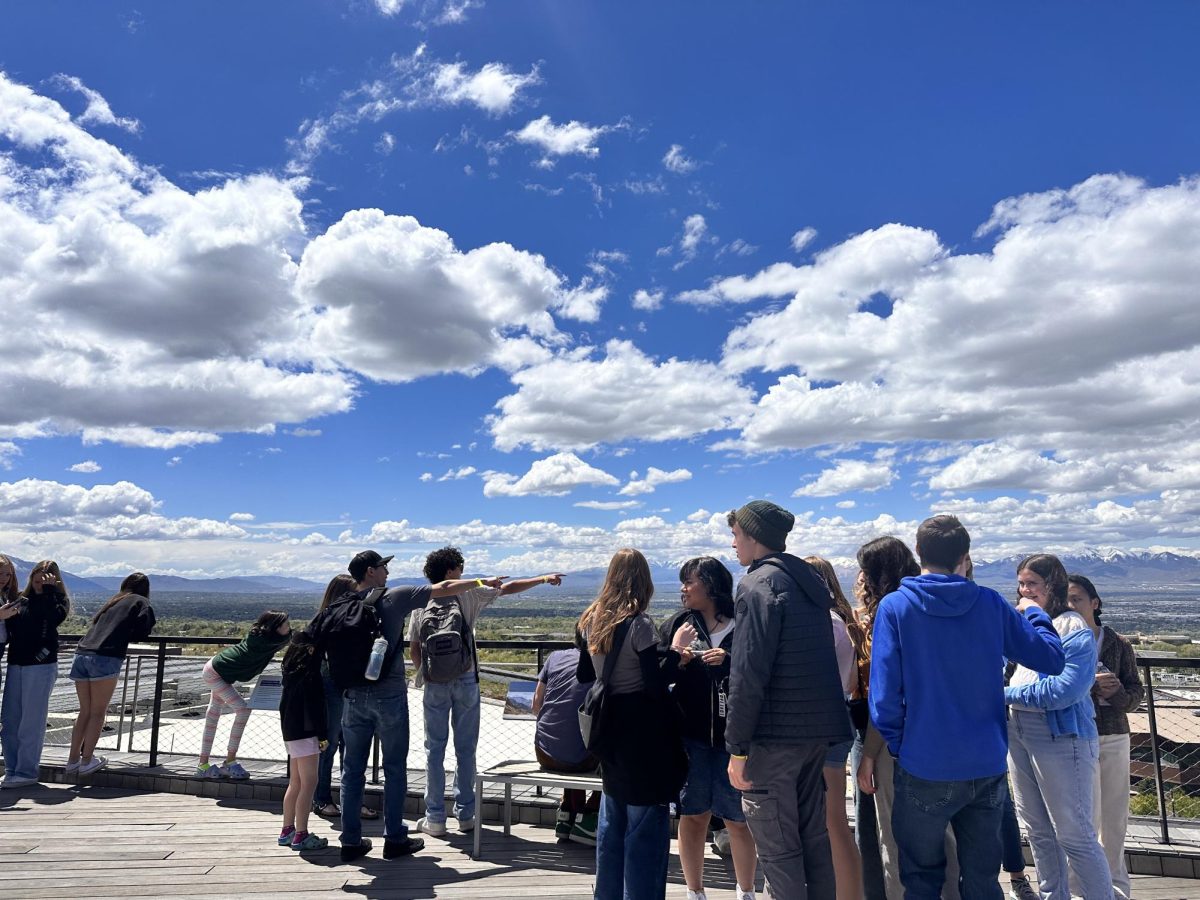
(286, 280)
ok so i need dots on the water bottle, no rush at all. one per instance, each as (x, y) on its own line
(375, 664)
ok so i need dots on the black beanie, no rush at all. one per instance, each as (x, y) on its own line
(766, 522)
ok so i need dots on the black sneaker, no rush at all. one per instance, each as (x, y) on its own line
(406, 847)
(351, 852)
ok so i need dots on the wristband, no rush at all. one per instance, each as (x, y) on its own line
(735, 756)
(479, 582)
(545, 579)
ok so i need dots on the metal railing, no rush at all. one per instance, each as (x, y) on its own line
(166, 716)
(161, 699)
(1171, 739)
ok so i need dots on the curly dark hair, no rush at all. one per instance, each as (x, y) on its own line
(884, 561)
(439, 562)
(716, 579)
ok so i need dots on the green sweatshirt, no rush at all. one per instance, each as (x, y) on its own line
(246, 660)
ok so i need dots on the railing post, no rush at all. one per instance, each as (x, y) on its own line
(156, 713)
(1158, 772)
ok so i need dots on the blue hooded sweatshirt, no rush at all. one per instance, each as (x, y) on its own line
(937, 674)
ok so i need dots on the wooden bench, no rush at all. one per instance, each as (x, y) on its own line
(528, 773)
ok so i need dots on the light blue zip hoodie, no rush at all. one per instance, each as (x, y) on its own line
(1067, 697)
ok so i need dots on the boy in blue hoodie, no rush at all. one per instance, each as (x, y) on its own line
(937, 697)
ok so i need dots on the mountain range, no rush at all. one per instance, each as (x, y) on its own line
(1105, 566)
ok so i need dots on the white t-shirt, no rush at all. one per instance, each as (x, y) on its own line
(844, 648)
(718, 634)
(1065, 623)
(473, 601)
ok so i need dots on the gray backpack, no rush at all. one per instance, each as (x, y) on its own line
(447, 646)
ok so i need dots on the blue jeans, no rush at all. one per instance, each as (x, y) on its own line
(1053, 779)
(633, 844)
(23, 719)
(920, 815)
(333, 718)
(455, 704)
(381, 710)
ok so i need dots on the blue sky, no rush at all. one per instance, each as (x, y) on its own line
(544, 279)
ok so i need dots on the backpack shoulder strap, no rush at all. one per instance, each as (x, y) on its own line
(610, 661)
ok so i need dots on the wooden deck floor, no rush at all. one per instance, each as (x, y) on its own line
(68, 841)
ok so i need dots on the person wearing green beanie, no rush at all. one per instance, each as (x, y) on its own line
(785, 703)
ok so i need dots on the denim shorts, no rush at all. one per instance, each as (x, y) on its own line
(708, 788)
(838, 754)
(90, 666)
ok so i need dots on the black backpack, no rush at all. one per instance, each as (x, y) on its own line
(344, 632)
(447, 646)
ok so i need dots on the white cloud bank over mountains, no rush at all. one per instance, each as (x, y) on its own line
(1059, 356)
(115, 528)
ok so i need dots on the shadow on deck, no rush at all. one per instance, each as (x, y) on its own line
(106, 842)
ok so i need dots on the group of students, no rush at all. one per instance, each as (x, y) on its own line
(938, 691)
(947, 693)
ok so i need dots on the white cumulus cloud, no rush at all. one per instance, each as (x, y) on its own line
(652, 479)
(847, 476)
(574, 401)
(554, 476)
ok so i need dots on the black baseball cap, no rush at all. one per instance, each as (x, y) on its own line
(368, 559)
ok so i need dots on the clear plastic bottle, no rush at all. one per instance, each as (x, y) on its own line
(375, 664)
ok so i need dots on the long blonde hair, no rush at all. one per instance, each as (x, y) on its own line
(627, 590)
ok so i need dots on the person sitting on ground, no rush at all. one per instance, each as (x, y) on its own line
(558, 745)
(127, 617)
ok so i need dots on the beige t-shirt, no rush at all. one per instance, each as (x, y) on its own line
(473, 601)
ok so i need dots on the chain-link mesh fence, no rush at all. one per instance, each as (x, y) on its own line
(130, 725)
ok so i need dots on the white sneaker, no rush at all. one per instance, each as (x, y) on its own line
(744, 895)
(696, 895)
(465, 825)
(435, 829)
(92, 765)
(71, 768)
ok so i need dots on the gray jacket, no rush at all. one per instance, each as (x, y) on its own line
(784, 686)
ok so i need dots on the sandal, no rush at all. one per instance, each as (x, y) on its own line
(329, 810)
(368, 813)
